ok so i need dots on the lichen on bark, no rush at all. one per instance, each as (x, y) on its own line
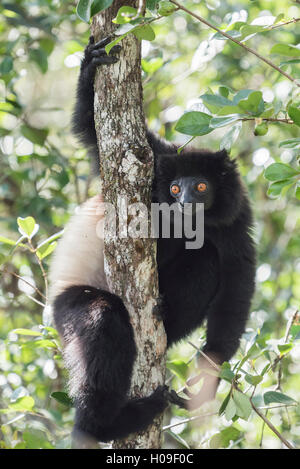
(126, 169)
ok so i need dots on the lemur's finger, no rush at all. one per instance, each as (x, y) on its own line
(91, 39)
(103, 42)
(104, 60)
(115, 49)
(101, 52)
(173, 398)
(98, 52)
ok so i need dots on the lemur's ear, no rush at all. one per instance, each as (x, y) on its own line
(222, 154)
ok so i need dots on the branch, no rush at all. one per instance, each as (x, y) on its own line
(25, 281)
(268, 119)
(127, 171)
(248, 49)
(294, 20)
(271, 426)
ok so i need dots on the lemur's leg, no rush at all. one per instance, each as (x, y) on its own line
(99, 351)
(83, 117)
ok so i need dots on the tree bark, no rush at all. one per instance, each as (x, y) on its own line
(126, 170)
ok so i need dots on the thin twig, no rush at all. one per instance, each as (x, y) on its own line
(42, 269)
(25, 281)
(213, 364)
(252, 51)
(294, 20)
(271, 426)
(269, 119)
(190, 419)
(36, 301)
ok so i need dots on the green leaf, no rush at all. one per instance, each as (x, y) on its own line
(125, 15)
(3, 259)
(222, 121)
(214, 102)
(166, 8)
(194, 123)
(51, 331)
(285, 49)
(8, 241)
(151, 66)
(275, 188)
(261, 129)
(279, 18)
(43, 343)
(30, 332)
(144, 32)
(99, 5)
(249, 30)
(40, 57)
(231, 136)
(253, 379)
(224, 404)
(124, 29)
(230, 410)
(294, 114)
(295, 329)
(268, 112)
(34, 135)
(232, 33)
(47, 45)
(289, 62)
(83, 10)
(23, 404)
(253, 104)
(278, 397)
(265, 369)
(151, 4)
(223, 438)
(6, 65)
(242, 94)
(243, 405)
(179, 368)
(179, 439)
(113, 43)
(224, 91)
(36, 439)
(285, 348)
(46, 249)
(229, 110)
(291, 143)
(279, 171)
(226, 372)
(62, 398)
(27, 226)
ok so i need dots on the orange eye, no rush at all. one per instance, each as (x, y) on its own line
(175, 189)
(201, 187)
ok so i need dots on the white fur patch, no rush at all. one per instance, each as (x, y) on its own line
(78, 257)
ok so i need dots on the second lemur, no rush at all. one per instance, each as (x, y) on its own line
(215, 282)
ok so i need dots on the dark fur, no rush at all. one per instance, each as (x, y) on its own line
(215, 282)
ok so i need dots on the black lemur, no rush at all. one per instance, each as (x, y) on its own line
(215, 282)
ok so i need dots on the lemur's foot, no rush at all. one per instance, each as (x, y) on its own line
(95, 53)
(173, 398)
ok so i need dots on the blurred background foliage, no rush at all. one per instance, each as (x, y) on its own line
(45, 174)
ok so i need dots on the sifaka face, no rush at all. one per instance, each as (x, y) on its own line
(200, 177)
(192, 190)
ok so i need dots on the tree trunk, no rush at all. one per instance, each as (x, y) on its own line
(126, 170)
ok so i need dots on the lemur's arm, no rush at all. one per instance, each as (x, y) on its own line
(228, 316)
(83, 118)
(83, 124)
